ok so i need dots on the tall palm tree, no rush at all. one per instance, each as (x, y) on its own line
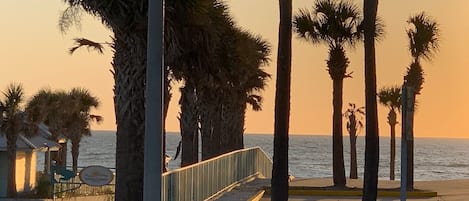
(336, 24)
(246, 85)
(391, 97)
(12, 124)
(195, 62)
(354, 124)
(423, 43)
(128, 21)
(80, 102)
(243, 55)
(370, 181)
(279, 180)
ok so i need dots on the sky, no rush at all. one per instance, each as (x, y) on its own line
(34, 52)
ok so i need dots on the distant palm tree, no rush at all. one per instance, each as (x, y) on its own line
(12, 123)
(79, 118)
(49, 107)
(370, 180)
(279, 180)
(423, 43)
(354, 117)
(335, 23)
(391, 98)
(65, 113)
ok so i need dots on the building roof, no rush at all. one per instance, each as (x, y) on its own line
(40, 141)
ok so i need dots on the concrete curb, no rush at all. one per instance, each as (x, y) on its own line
(358, 192)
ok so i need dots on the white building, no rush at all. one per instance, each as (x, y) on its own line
(26, 160)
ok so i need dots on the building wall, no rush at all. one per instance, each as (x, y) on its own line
(25, 171)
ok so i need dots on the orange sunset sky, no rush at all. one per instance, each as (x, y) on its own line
(34, 52)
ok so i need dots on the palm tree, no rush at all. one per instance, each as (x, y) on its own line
(334, 23)
(391, 98)
(237, 83)
(247, 85)
(370, 181)
(193, 66)
(354, 125)
(423, 43)
(279, 180)
(80, 102)
(12, 124)
(128, 21)
(49, 107)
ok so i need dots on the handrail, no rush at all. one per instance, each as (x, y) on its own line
(200, 181)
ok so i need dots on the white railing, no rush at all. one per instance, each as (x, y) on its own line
(202, 180)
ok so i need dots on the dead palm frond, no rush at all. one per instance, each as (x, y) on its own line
(83, 42)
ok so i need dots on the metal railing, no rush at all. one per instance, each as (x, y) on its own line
(202, 180)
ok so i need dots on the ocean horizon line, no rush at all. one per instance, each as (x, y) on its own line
(320, 134)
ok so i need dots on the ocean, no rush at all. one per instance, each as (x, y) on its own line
(310, 156)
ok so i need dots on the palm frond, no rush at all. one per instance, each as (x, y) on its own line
(333, 22)
(83, 42)
(415, 77)
(423, 36)
(390, 97)
(14, 96)
(71, 16)
(305, 26)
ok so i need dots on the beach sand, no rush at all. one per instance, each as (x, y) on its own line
(448, 190)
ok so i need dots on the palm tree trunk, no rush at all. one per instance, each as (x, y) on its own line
(189, 131)
(353, 155)
(129, 74)
(392, 124)
(75, 152)
(207, 118)
(279, 180)
(62, 155)
(393, 153)
(410, 148)
(338, 168)
(370, 181)
(11, 152)
(239, 129)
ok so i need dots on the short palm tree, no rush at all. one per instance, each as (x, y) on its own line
(354, 117)
(423, 43)
(79, 118)
(12, 124)
(391, 98)
(336, 24)
(48, 107)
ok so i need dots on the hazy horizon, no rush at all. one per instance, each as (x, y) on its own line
(319, 134)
